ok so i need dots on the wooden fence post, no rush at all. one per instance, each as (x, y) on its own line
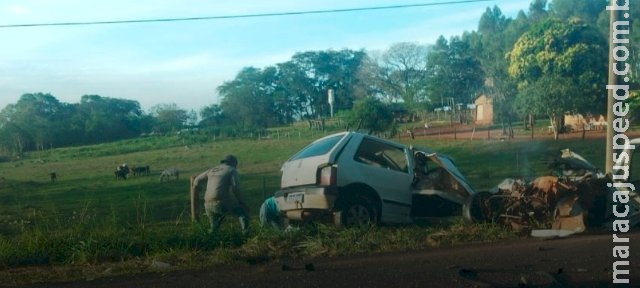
(195, 208)
(532, 128)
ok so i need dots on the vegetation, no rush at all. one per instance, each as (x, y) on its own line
(399, 73)
(370, 114)
(87, 222)
(455, 76)
(546, 61)
(550, 55)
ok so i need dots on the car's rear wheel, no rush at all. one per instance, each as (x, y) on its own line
(358, 211)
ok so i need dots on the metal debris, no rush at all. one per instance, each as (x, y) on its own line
(567, 201)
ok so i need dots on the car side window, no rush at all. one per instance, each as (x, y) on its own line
(382, 155)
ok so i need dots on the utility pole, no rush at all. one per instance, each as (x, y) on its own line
(613, 80)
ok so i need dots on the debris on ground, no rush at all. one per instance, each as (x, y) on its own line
(568, 200)
(158, 265)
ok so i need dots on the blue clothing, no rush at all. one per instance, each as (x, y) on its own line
(270, 213)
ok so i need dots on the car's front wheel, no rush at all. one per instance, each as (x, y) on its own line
(358, 211)
(478, 208)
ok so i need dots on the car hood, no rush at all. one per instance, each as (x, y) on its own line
(573, 166)
(446, 163)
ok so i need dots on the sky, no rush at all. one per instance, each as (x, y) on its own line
(183, 62)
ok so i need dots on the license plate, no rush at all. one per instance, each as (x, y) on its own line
(296, 197)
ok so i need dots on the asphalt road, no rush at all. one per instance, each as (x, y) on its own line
(575, 261)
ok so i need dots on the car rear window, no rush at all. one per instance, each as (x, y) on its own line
(318, 148)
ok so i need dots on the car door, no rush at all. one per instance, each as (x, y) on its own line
(385, 167)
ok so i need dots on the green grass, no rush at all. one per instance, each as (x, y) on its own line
(88, 219)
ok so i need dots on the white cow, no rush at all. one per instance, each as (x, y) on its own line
(168, 173)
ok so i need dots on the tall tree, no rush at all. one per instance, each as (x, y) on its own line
(246, 100)
(455, 74)
(70, 128)
(371, 114)
(337, 70)
(13, 138)
(538, 11)
(169, 118)
(560, 68)
(369, 76)
(495, 37)
(39, 116)
(293, 93)
(107, 119)
(211, 115)
(403, 72)
(587, 10)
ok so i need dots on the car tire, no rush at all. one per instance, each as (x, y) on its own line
(477, 208)
(358, 211)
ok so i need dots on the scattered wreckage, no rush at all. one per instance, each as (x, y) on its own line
(575, 196)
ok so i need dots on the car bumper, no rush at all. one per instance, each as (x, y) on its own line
(306, 203)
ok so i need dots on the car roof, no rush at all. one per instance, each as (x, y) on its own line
(360, 134)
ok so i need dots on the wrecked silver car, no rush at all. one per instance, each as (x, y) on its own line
(352, 178)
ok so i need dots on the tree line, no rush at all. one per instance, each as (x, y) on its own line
(548, 60)
(545, 62)
(39, 120)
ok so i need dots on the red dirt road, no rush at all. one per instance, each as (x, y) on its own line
(576, 261)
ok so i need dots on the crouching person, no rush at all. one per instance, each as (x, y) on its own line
(270, 213)
(222, 195)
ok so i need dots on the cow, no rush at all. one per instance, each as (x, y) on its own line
(120, 174)
(141, 170)
(122, 171)
(168, 173)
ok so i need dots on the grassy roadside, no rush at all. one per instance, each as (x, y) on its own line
(89, 225)
(204, 250)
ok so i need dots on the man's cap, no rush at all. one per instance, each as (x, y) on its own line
(229, 159)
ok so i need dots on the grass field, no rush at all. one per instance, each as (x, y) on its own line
(87, 217)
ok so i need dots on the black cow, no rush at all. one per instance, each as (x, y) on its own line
(141, 170)
(122, 171)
